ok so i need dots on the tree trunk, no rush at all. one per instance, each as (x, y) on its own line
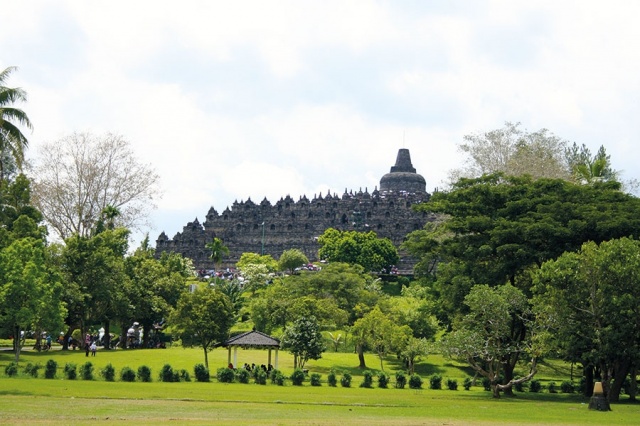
(360, 350)
(621, 370)
(206, 357)
(633, 387)
(17, 342)
(146, 334)
(508, 376)
(107, 334)
(123, 336)
(588, 381)
(494, 389)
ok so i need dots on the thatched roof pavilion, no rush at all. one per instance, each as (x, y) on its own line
(251, 340)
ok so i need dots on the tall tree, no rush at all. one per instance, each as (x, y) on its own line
(587, 169)
(304, 340)
(79, 176)
(12, 140)
(362, 248)
(218, 250)
(203, 318)
(292, 259)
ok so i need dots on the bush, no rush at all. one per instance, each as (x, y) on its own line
(435, 382)
(415, 382)
(367, 381)
(401, 380)
(467, 383)
(520, 387)
(11, 369)
(279, 379)
(486, 383)
(32, 369)
(183, 376)
(315, 379)
(567, 387)
(108, 372)
(70, 371)
(144, 373)
(260, 376)
(202, 373)
(273, 375)
(50, 369)
(225, 375)
(168, 375)
(331, 379)
(535, 386)
(552, 387)
(127, 375)
(383, 380)
(243, 375)
(297, 377)
(345, 380)
(452, 384)
(582, 385)
(86, 371)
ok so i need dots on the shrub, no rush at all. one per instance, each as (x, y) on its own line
(108, 372)
(331, 379)
(11, 369)
(367, 381)
(32, 369)
(279, 379)
(467, 383)
(243, 375)
(225, 375)
(144, 373)
(401, 380)
(315, 379)
(260, 376)
(535, 386)
(567, 387)
(127, 375)
(50, 369)
(297, 377)
(183, 376)
(383, 380)
(70, 371)
(582, 385)
(552, 387)
(167, 374)
(86, 371)
(452, 384)
(202, 373)
(486, 383)
(435, 382)
(520, 387)
(273, 374)
(415, 382)
(345, 380)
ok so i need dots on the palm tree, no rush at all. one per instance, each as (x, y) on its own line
(11, 138)
(218, 250)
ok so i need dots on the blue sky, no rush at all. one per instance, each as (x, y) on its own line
(231, 100)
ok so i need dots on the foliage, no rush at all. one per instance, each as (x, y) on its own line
(80, 175)
(218, 250)
(108, 373)
(292, 259)
(168, 375)
(304, 340)
(413, 352)
(144, 373)
(297, 377)
(567, 386)
(127, 374)
(435, 382)
(401, 380)
(345, 380)
(203, 318)
(361, 248)
(246, 259)
(315, 379)
(332, 379)
(467, 383)
(552, 387)
(587, 169)
(225, 375)
(11, 369)
(86, 371)
(201, 373)
(383, 380)
(183, 375)
(367, 379)
(415, 382)
(243, 375)
(50, 369)
(260, 376)
(32, 369)
(233, 290)
(452, 384)
(70, 371)
(535, 386)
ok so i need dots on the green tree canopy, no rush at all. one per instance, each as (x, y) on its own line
(292, 259)
(12, 140)
(304, 340)
(362, 248)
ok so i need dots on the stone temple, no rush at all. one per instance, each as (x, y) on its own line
(267, 228)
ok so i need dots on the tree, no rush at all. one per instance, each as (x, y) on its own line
(485, 337)
(413, 351)
(304, 340)
(377, 331)
(292, 259)
(218, 250)
(81, 175)
(591, 300)
(363, 248)
(203, 318)
(587, 169)
(267, 260)
(12, 140)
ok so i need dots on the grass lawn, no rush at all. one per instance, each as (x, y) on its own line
(57, 401)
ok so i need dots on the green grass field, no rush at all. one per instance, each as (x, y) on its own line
(57, 401)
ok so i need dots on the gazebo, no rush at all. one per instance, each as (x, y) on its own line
(251, 340)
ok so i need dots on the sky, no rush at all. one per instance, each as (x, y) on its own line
(231, 100)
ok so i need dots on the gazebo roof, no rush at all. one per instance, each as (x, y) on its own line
(252, 339)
